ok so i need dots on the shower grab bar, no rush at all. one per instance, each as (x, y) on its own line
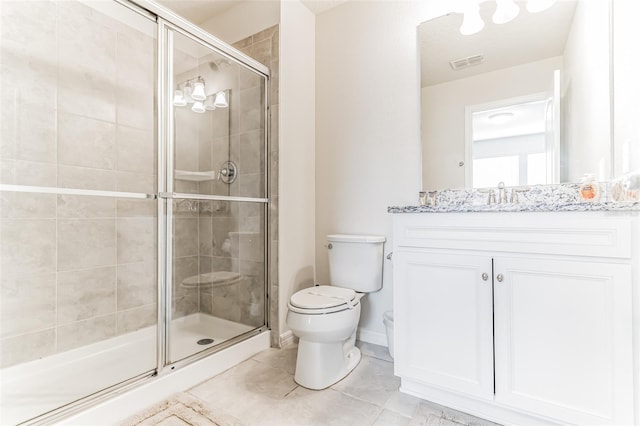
(175, 195)
(72, 191)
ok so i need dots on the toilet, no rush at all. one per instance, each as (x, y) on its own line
(325, 317)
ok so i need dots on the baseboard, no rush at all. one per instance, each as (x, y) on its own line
(370, 336)
(287, 338)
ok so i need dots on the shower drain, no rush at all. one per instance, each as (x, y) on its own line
(205, 341)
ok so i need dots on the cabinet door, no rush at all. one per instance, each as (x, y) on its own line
(563, 339)
(443, 321)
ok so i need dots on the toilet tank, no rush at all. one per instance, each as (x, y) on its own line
(355, 261)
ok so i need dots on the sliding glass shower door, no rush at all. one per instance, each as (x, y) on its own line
(78, 221)
(216, 181)
(132, 200)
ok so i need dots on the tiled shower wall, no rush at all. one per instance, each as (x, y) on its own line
(264, 47)
(77, 112)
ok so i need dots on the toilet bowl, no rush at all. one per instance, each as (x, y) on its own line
(325, 317)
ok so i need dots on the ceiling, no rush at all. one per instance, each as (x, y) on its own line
(199, 11)
(527, 38)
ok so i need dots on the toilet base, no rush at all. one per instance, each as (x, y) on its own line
(320, 365)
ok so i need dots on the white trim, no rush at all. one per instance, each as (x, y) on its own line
(287, 338)
(129, 403)
(374, 337)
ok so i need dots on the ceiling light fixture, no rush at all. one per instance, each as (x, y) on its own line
(506, 11)
(472, 22)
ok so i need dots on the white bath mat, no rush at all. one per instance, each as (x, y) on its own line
(181, 409)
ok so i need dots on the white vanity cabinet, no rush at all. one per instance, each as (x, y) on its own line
(520, 318)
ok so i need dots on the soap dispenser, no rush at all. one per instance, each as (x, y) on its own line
(589, 188)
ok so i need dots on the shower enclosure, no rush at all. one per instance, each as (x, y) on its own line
(133, 209)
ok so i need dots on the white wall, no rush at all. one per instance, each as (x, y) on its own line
(367, 127)
(443, 114)
(243, 20)
(585, 93)
(626, 66)
(297, 202)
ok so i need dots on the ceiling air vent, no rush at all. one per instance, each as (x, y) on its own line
(469, 61)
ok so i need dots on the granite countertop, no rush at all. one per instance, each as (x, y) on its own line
(540, 207)
(536, 198)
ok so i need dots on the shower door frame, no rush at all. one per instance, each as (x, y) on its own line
(169, 23)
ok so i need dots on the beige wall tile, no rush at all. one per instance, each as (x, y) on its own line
(86, 142)
(183, 268)
(251, 152)
(135, 208)
(87, 63)
(86, 294)
(18, 205)
(137, 284)
(137, 318)
(36, 174)
(185, 233)
(86, 178)
(7, 170)
(25, 77)
(32, 26)
(27, 347)
(31, 128)
(82, 333)
(135, 88)
(27, 303)
(84, 207)
(28, 246)
(136, 150)
(136, 239)
(86, 243)
(205, 237)
(187, 304)
(137, 182)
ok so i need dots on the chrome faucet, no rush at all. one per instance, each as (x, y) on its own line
(502, 193)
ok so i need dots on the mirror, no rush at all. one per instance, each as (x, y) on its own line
(524, 102)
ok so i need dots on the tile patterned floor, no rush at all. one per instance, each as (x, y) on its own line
(261, 392)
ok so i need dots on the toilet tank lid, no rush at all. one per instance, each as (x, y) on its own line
(344, 238)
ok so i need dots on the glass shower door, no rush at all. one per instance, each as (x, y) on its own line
(217, 210)
(78, 221)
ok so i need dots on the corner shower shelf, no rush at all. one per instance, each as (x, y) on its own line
(195, 176)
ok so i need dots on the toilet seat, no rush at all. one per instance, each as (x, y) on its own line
(323, 299)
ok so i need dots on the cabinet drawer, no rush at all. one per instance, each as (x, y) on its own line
(576, 234)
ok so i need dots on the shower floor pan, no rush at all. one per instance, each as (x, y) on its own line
(39, 386)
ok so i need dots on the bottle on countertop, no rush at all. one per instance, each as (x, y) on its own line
(589, 189)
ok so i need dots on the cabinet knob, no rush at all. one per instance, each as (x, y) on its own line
(485, 276)
(500, 277)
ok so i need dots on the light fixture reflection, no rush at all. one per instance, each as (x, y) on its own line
(535, 6)
(178, 98)
(506, 10)
(221, 100)
(198, 90)
(198, 107)
(472, 22)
